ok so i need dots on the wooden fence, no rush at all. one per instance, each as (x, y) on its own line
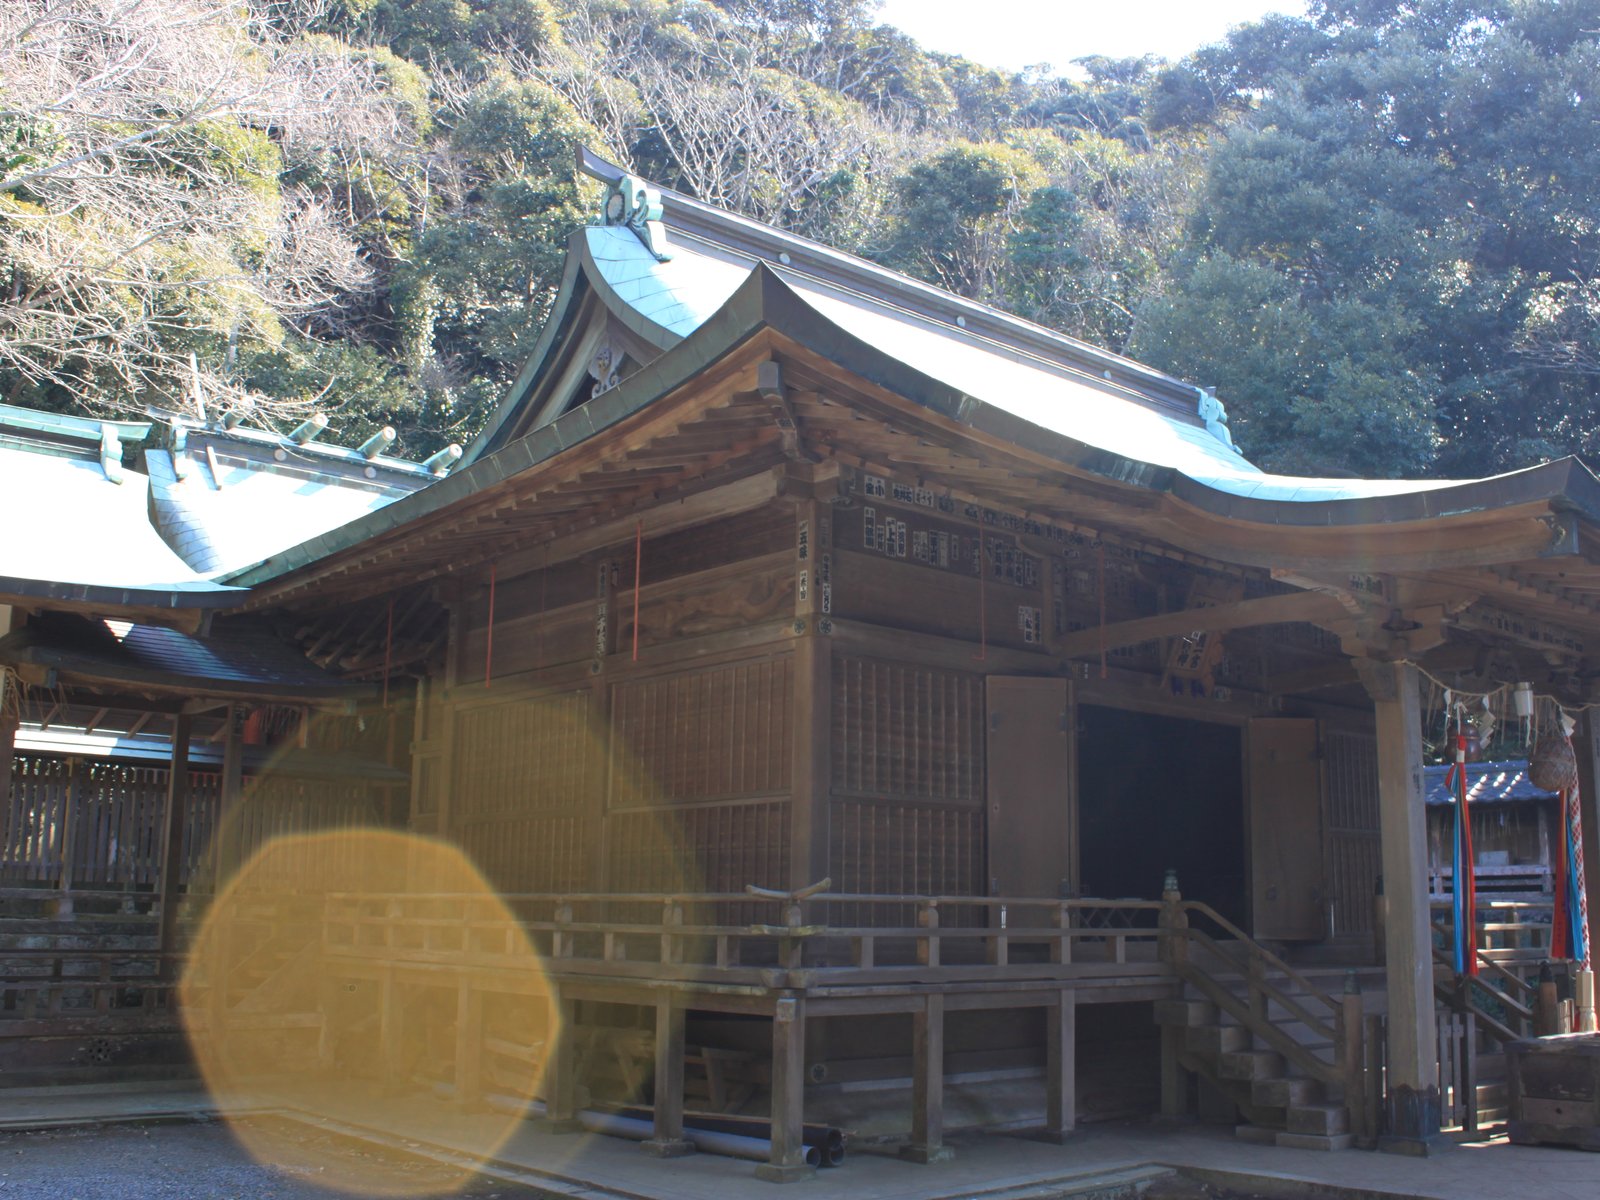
(77, 824)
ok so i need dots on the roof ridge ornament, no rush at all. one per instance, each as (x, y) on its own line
(635, 204)
(1215, 416)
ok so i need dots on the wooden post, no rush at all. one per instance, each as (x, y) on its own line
(390, 1038)
(927, 1083)
(1380, 919)
(788, 1162)
(560, 1071)
(1061, 1067)
(667, 1140)
(8, 723)
(172, 841)
(225, 840)
(811, 786)
(1353, 1056)
(1173, 944)
(469, 1046)
(1174, 1079)
(1413, 1080)
(1545, 1002)
(70, 816)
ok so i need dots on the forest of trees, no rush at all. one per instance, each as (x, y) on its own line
(1374, 229)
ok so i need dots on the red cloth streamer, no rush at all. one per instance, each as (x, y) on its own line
(1561, 918)
(638, 563)
(388, 650)
(1100, 585)
(488, 643)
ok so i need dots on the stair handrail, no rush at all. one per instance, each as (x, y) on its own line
(1451, 992)
(1256, 950)
(1345, 1034)
(1495, 966)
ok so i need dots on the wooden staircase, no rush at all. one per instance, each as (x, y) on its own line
(1276, 1102)
(1283, 1053)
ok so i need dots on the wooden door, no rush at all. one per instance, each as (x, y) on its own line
(1030, 786)
(1287, 888)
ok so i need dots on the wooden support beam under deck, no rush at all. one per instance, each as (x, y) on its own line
(927, 1084)
(1061, 1067)
(667, 1140)
(787, 1163)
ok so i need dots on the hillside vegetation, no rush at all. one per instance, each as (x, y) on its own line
(1372, 229)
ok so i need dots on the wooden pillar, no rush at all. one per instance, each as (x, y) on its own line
(927, 1084)
(598, 823)
(71, 803)
(469, 1045)
(667, 1140)
(1061, 1067)
(8, 742)
(813, 696)
(1413, 1065)
(787, 1163)
(390, 1032)
(1174, 1079)
(560, 1071)
(225, 839)
(171, 876)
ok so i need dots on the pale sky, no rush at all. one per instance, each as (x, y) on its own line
(1013, 34)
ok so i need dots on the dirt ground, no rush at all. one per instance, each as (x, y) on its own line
(204, 1161)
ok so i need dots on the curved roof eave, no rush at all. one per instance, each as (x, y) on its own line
(766, 301)
(211, 596)
(562, 310)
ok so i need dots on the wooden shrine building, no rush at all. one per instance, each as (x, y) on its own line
(778, 568)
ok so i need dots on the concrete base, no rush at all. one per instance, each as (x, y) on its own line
(1415, 1147)
(1413, 1121)
(1055, 1137)
(772, 1173)
(562, 1125)
(667, 1148)
(927, 1155)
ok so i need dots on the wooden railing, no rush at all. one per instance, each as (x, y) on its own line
(1511, 945)
(745, 933)
(55, 985)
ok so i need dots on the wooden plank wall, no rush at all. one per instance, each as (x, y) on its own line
(908, 779)
(579, 768)
(527, 773)
(700, 787)
(1350, 798)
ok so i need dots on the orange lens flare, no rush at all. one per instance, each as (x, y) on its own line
(375, 982)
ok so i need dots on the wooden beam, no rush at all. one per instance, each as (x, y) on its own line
(1240, 614)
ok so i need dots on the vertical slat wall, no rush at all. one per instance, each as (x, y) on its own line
(1351, 819)
(528, 773)
(700, 785)
(35, 819)
(908, 779)
(118, 826)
